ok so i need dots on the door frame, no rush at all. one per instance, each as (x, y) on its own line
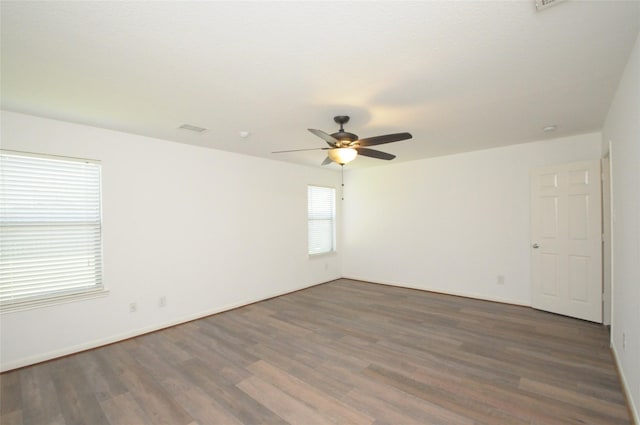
(607, 239)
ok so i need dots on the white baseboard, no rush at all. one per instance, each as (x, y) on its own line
(625, 386)
(439, 291)
(28, 361)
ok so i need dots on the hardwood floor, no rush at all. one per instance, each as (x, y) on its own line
(344, 352)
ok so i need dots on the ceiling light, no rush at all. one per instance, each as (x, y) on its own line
(342, 155)
(244, 134)
(550, 128)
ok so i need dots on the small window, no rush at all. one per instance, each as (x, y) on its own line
(51, 229)
(321, 216)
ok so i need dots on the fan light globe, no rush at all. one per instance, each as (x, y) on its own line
(342, 155)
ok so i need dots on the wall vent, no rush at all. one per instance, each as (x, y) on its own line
(545, 4)
(193, 128)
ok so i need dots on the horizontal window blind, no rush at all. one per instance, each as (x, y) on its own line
(321, 219)
(50, 228)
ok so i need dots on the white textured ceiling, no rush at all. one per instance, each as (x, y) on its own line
(459, 76)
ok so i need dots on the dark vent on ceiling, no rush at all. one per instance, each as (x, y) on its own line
(193, 128)
(544, 4)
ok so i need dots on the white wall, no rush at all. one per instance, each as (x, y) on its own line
(208, 229)
(622, 130)
(451, 224)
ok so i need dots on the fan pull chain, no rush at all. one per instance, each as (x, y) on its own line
(342, 179)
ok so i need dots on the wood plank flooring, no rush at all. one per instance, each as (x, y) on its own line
(345, 352)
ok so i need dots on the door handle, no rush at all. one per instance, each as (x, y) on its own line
(535, 246)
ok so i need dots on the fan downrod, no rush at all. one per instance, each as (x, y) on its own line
(344, 137)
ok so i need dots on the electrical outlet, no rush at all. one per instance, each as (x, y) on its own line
(500, 280)
(162, 302)
(133, 307)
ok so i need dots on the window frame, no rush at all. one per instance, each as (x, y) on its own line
(59, 294)
(332, 219)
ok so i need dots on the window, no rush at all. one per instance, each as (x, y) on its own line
(321, 216)
(50, 229)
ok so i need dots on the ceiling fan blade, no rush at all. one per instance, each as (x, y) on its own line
(372, 153)
(387, 138)
(327, 161)
(300, 150)
(324, 136)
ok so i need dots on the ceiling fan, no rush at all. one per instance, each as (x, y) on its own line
(345, 146)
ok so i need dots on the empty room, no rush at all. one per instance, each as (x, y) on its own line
(318, 212)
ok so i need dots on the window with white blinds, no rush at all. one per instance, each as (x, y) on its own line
(321, 218)
(50, 229)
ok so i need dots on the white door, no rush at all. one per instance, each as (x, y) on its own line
(566, 249)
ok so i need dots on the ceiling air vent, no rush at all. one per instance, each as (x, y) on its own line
(545, 4)
(193, 128)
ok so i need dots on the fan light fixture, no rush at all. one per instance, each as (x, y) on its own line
(344, 147)
(342, 155)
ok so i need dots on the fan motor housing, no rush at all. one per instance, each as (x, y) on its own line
(345, 137)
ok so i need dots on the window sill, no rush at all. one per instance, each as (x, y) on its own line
(47, 302)
(322, 254)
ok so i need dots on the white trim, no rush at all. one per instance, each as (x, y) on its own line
(607, 232)
(625, 386)
(612, 260)
(439, 291)
(323, 254)
(54, 300)
(51, 156)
